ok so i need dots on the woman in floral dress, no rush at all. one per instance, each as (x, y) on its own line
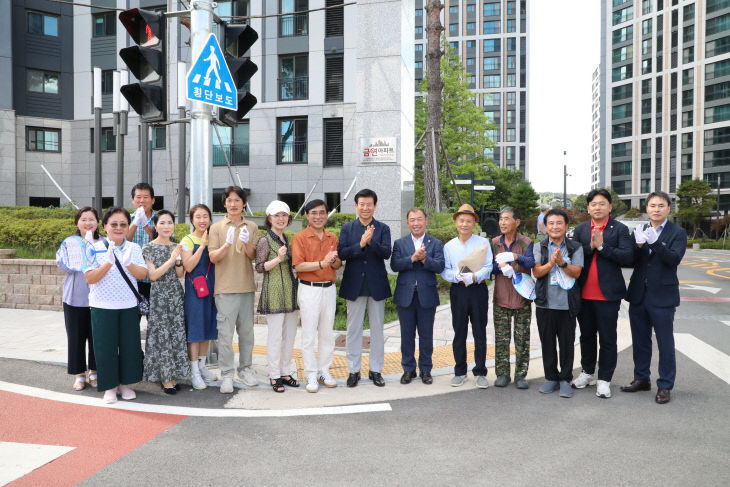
(166, 357)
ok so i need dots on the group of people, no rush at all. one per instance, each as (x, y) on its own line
(140, 261)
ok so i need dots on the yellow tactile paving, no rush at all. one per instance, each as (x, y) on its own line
(442, 357)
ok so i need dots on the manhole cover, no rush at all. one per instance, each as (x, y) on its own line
(341, 342)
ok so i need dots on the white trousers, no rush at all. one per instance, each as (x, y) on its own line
(355, 317)
(317, 310)
(280, 342)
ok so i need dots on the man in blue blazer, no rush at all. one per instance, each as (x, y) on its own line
(365, 245)
(654, 295)
(417, 258)
(607, 247)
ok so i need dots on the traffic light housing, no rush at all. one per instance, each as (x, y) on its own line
(148, 63)
(236, 40)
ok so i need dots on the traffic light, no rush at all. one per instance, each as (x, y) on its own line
(236, 40)
(148, 63)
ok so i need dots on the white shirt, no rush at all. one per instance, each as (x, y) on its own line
(455, 250)
(111, 291)
(417, 242)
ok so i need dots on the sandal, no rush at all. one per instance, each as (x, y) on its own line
(290, 381)
(168, 390)
(277, 385)
(79, 383)
(91, 378)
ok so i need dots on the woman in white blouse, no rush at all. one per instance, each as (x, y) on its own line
(114, 312)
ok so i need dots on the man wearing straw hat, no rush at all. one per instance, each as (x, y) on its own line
(468, 263)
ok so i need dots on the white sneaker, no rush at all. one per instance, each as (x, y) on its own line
(110, 396)
(458, 380)
(584, 380)
(198, 382)
(206, 374)
(127, 393)
(327, 380)
(249, 378)
(603, 389)
(312, 385)
(227, 385)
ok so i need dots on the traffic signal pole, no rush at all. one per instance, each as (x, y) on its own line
(201, 146)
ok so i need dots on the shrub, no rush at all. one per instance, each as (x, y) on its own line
(633, 213)
(34, 234)
(442, 226)
(339, 219)
(391, 310)
(35, 213)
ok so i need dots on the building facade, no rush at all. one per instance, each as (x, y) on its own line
(327, 79)
(491, 38)
(665, 96)
(596, 130)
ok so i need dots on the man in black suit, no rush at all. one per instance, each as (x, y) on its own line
(654, 295)
(417, 258)
(607, 247)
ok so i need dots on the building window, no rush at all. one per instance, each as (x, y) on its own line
(104, 24)
(471, 8)
(492, 45)
(333, 135)
(621, 92)
(491, 99)
(492, 81)
(622, 73)
(159, 138)
(718, 24)
(512, 44)
(717, 136)
(715, 5)
(292, 140)
(419, 12)
(717, 47)
(491, 9)
(491, 27)
(470, 28)
(622, 54)
(108, 140)
(646, 7)
(491, 63)
(511, 80)
(42, 23)
(621, 130)
(107, 81)
(293, 25)
(646, 66)
(42, 82)
(334, 24)
(453, 29)
(623, 15)
(622, 35)
(510, 25)
(45, 202)
(294, 200)
(510, 135)
(334, 78)
(621, 111)
(293, 77)
(471, 44)
(511, 98)
(419, 47)
(717, 92)
(688, 55)
(235, 145)
(42, 139)
(333, 201)
(718, 69)
(419, 32)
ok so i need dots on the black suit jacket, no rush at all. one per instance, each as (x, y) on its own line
(655, 273)
(618, 251)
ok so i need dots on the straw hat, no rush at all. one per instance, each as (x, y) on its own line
(466, 210)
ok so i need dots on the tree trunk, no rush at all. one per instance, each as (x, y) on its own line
(431, 187)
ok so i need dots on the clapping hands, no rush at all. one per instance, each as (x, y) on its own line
(367, 236)
(244, 236)
(419, 254)
(229, 235)
(505, 257)
(331, 256)
(140, 218)
(639, 235)
(651, 235)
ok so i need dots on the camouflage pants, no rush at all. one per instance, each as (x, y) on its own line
(502, 328)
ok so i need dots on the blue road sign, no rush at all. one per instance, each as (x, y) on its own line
(210, 80)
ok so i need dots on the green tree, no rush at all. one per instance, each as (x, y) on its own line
(463, 129)
(695, 202)
(523, 197)
(580, 203)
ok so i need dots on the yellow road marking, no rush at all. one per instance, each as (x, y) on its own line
(713, 272)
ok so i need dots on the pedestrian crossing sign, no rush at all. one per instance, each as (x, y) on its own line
(209, 80)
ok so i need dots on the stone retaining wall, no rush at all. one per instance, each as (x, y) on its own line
(31, 284)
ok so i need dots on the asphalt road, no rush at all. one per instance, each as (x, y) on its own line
(470, 437)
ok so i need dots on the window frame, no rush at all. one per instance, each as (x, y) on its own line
(31, 128)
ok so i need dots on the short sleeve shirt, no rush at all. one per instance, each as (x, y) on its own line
(233, 273)
(112, 291)
(307, 247)
(557, 297)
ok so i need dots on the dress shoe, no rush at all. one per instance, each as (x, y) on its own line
(637, 385)
(662, 396)
(353, 379)
(407, 377)
(426, 378)
(377, 379)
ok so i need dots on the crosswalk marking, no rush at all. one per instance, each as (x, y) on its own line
(196, 78)
(704, 355)
(19, 459)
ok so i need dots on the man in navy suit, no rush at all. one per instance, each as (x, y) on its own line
(654, 295)
(607, 247)
(417, 258)
(365, 245)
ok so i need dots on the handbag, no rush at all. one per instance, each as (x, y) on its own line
(142, 303)
(200, 284)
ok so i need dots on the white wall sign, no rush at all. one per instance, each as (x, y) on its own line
(378, 149)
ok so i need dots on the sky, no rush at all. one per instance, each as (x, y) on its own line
(564, 48)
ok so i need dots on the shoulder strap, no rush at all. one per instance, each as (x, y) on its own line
(124, 275)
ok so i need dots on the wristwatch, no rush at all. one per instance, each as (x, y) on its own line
(600, 248)
(563, 265)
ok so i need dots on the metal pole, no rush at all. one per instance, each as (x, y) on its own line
(97, 139)
(718, 205)
(121, 132)
(201, 148)
(565, 186)
(472, 189)
(143, 141)
(181, 102)
(116, 77)
(150, 137)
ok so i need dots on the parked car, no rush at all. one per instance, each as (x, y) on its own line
(632, 224)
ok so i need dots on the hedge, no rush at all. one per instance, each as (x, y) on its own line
(709, 244)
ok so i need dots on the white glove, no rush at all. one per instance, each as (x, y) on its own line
(508, 271)
(244, 236)
(505, 257)
(229, 235)
(467, 279)
(140, 219)
(184, 245)
(639, 235)
(110, 253)
(127, 258)
(651, 235)
(89, 237)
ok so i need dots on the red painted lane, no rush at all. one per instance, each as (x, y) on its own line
(100, 435)
(713, 300)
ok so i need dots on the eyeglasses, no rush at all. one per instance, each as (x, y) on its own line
(118, 225)
(318, 213)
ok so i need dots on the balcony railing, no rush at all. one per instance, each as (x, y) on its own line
(294, 25)
(292, 152)
(296, 88)
(237, 154)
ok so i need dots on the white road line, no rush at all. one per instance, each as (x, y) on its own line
(20, 459)
(188, 411)
(726, 322)
(705, 355)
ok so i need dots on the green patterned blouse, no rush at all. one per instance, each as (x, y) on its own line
(279, 289)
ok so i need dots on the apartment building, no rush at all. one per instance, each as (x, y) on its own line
(491, 38)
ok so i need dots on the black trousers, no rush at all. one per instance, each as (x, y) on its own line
(78, 334)
(556, 326)
(598, 317)
(470, 303)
